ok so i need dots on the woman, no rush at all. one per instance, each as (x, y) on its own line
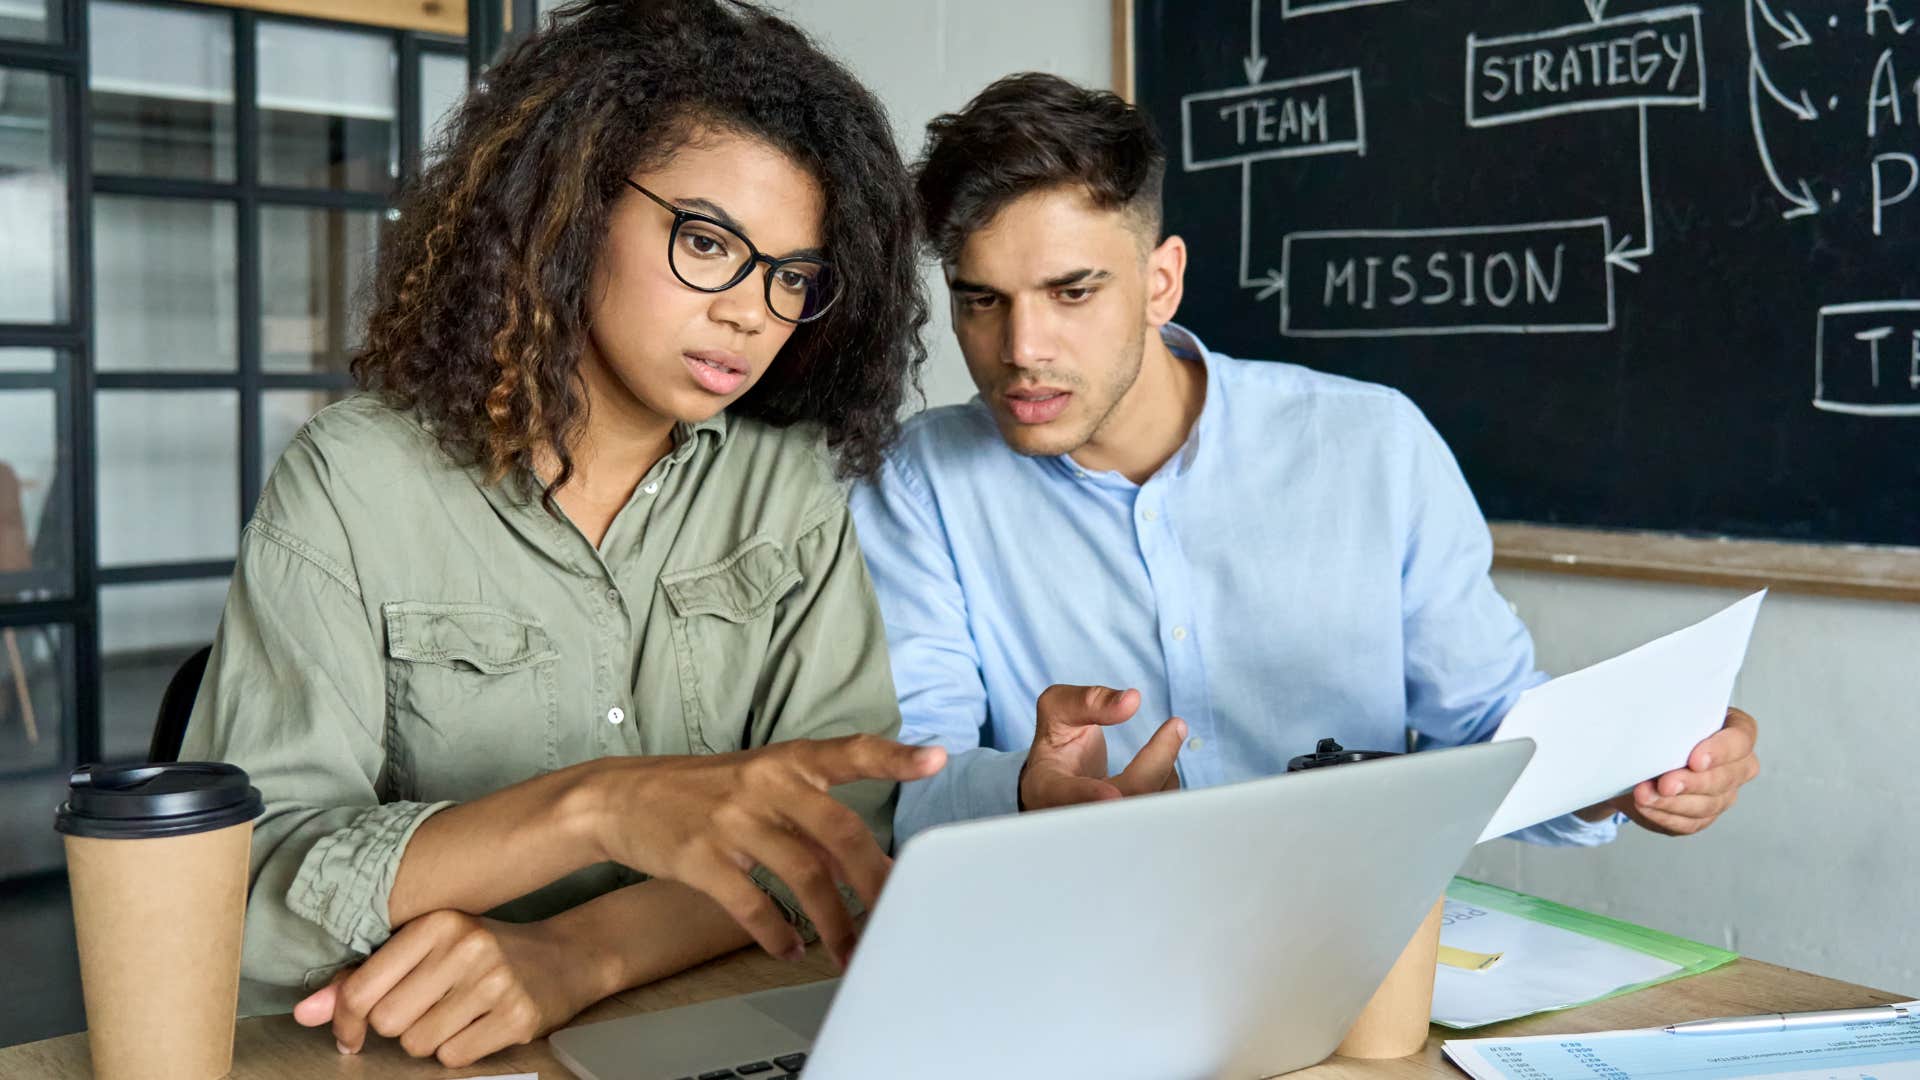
(505, 631)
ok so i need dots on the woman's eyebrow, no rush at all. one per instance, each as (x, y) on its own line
(719, 213)
(713, 210)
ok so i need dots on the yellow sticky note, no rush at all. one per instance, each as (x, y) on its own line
(1468, 961)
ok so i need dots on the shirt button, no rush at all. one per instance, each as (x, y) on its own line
(616, 714)
(1149, 515)
(1081, 473)
(1179, 633)
(1196, 743)
(651, 488)
(613, 596)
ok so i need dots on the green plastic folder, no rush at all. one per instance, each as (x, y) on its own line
(1690, 957)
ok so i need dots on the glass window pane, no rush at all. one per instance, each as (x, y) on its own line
(282, 412)
(162, 81)
(443, 86)
(146, 631)
(26, 359)
(166, 284)
(169, 488)
(36, 697)
(327, 108)
(33, 197)
(30, 20)
(317, 266)
(35, 560)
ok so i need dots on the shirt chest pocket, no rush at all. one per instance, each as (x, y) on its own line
(472, 702)
(722, 617)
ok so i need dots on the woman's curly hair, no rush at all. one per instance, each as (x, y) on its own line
(479, 310)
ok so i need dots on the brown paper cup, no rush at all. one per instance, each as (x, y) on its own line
(1394, 1023)
(159, 923)
(157, 860)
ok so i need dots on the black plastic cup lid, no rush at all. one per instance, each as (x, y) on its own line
(1330, 752)
(136, 802)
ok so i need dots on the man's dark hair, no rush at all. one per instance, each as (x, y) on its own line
(1031, 132)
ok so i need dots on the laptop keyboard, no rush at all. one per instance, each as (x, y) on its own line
(784, 1067)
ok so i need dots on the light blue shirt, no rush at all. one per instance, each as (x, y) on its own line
(1309, 564)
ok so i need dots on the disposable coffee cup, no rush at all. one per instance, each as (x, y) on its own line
(157, 861)
(1394, 1023)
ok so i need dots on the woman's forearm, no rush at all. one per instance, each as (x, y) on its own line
(645, 932)
(700, 820)
(478, 855)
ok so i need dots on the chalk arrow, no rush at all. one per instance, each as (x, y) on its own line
(1623, 258)
(1803, 109)
(1255, 64)
(1620, 256)
(1803, 203)
(1269, 283)
(1792, 36)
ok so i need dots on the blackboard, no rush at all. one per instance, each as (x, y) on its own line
(1644, 266)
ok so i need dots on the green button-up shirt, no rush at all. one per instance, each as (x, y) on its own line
(401, 635)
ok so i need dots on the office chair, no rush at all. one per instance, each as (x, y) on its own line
(176, 705)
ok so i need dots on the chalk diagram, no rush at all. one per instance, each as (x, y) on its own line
(1866, 354)
(1559, 276)
(1519, 278)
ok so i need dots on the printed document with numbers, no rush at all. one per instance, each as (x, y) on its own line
(1881, 1051)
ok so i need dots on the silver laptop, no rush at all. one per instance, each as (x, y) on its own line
(1227, 932)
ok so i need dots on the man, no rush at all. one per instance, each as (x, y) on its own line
(1263, 555)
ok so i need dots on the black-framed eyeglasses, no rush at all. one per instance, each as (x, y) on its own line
(711, 257)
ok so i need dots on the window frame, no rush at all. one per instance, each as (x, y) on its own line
(74, 376)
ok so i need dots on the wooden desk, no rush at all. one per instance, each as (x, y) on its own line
(275, 1048)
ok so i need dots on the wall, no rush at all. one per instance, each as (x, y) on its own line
(926, 57)
(1817, 865)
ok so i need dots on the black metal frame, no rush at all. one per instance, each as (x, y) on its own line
(74, 377)
(71, 379)
(487, 34)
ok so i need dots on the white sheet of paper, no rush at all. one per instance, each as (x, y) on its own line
(1541, 967)
(1603, 729)
(1884, 1051)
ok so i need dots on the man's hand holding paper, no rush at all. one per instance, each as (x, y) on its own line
(1685, 801)
(1603, 731)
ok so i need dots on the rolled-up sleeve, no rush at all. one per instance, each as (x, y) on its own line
(295, 694)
